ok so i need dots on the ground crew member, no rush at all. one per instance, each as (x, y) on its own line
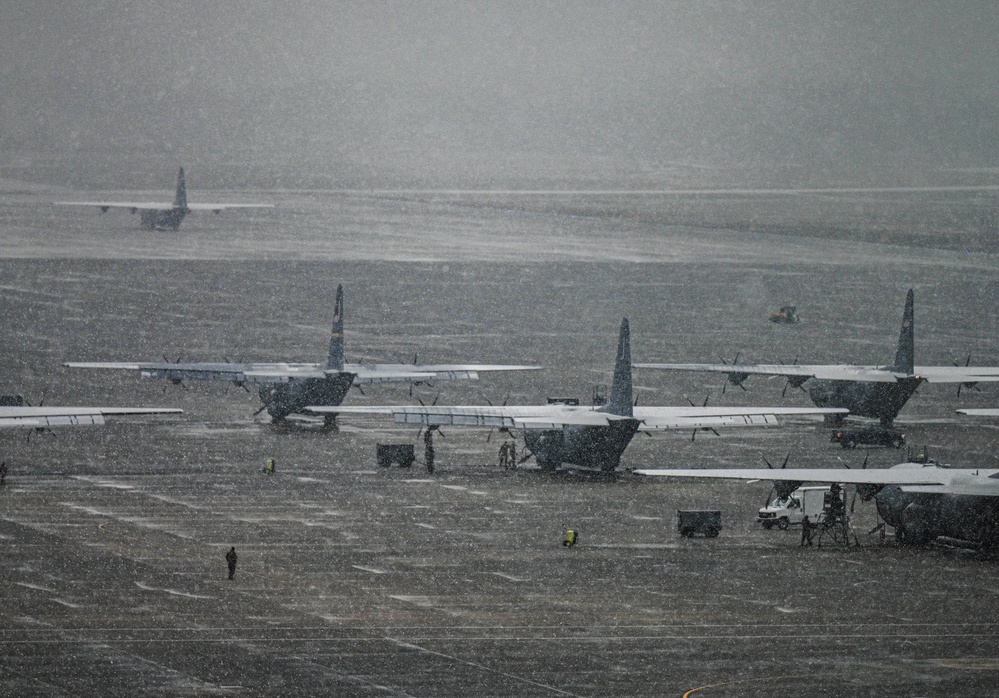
(428, 449)
(807, 531)
(512, 450)
(230, 559)
(570, 538)
(504, 456)
(269, 466)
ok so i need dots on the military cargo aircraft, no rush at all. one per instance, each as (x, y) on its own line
(287, 388)
(922, 501)
(878, 392)
(590, 437)
(160, 216)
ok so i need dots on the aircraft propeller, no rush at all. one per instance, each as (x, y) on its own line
(734, 378)
(866, 492)
(794, 381)
(781, 488)
(971, 384)
(237, 383)
(175, 381)
(430, 427)
(40, 430)
(501, 430)
(693, 433)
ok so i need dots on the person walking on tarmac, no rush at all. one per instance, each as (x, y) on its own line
(570, 538)
(512, 454)
(807, 531)
(428, 448)
(230, 559)
(504, 456)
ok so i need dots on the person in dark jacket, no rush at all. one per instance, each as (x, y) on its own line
(807, 531)
(230, 559)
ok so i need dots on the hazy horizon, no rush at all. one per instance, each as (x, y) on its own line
(486, 94)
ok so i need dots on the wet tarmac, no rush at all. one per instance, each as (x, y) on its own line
(359, 580)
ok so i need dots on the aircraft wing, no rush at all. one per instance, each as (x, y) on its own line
(130, 205)
(842, 372)
(154, 206)
(664, 418)
(223, 207)
(417, 373)
(518, 417)
(845, 372)
(38, 417)
(269, 373)
(902, 476)
(221, 371)
(958, 374)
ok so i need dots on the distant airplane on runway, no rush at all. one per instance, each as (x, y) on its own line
(287, 388)
(163, 216)
(591, 437)
(878, 392)
(922, 501)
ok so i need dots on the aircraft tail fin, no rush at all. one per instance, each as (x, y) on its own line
(180, 199)
(334, 361)
(621, 389)
(905, 355)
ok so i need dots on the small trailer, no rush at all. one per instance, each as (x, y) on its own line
(403, 454)
(691, 521)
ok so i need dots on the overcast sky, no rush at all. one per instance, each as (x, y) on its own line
(438, 90)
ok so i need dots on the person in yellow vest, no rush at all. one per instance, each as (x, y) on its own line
(570, 538)
(269, 466)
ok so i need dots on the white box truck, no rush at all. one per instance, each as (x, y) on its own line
(788, 511)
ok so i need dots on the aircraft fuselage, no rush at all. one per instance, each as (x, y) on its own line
(918, 517)
(283, 399)
(881, 401)
(168, 219)
(598, 447)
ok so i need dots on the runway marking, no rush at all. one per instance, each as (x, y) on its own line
(426, 525)
(659, 192)
(460, 488)
(741, 681)
(510, 577)
(35, 586)
(419, 480)
(521, 679)
(173, 592)
(103, 483)
(601, 639)
(88, 510)
(67, 603)
(372, 570)
(422, 601)
(968, 663)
